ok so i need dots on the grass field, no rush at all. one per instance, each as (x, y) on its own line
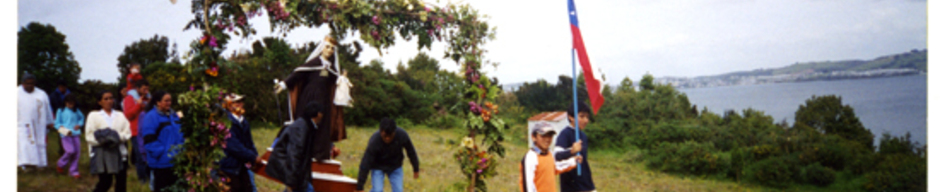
(613, 171)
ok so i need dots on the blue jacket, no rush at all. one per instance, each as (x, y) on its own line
(161, 132)
(570, 181)
(240, 148)
(69, 119)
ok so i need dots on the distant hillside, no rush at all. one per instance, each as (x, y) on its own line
(915, 59)
(909, 63)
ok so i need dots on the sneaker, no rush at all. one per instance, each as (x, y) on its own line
(59, 169)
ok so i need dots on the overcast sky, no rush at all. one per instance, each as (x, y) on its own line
(624, 38)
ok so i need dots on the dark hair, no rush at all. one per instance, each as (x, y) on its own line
(70, 98)
(581, 108)
(100, 96)
(140, 82)
(311, 110)
(387, 126)
(60, 83)
(27, 76)
(157, 96)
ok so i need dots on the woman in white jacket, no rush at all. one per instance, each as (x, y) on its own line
(107, 118)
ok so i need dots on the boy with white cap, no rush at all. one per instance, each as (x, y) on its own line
(538, 165)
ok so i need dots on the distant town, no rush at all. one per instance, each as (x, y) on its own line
(809, 75)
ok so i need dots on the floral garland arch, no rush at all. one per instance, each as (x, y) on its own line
(377, 23)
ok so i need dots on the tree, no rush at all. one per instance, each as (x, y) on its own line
(646, 84)
(42, 51)
(829, 116)
(143, 52)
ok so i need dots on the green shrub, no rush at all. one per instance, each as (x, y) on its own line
(673, 132)
(745, 156)
(898, 172)
(445, 121)
(818, 175)
(779, 171)
(689, 157)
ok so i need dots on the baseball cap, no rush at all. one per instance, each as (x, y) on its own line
(543, 129)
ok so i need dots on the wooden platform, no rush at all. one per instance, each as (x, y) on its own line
(327, 175)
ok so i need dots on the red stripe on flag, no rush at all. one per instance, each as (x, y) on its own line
(593, 85)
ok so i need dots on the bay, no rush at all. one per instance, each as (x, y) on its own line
(894, 105)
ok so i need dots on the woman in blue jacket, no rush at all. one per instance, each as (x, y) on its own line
(161, 131)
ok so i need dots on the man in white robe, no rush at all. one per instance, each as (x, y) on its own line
(34, 117)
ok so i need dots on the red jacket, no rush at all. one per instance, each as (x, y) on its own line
(132, 111)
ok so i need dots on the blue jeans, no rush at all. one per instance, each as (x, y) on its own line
(394, 178)
(309, 188)
(251, 175)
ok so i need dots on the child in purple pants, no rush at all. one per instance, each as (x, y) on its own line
(69, 121)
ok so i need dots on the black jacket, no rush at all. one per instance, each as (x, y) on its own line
(240, 148)
(386, 157)
(292, 155)
(571, 181)
(107, 158)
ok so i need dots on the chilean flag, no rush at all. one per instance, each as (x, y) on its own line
(593, 84)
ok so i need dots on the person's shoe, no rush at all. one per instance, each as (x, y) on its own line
(76, 177)
(59, 169)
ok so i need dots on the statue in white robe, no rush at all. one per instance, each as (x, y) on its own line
(33, 118)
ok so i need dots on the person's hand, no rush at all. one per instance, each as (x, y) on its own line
(576, 147)
(416, 175)
(578, 158)
(179, 114)
(335, 152)
(257, 164)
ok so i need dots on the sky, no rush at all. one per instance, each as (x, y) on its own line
(682, 38)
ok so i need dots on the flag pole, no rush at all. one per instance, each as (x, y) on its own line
(574, 91)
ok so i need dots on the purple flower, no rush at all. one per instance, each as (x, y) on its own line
(375, 35)
(484, 160)
(212, 42)
(428, 9)
(480, 85)
(375, 19)
(474, 107)
(191, 88)
(479, 171)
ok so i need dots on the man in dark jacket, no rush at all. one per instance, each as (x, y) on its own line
(57, 99)
(240, 148)
(384, 157)
(291, 157)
